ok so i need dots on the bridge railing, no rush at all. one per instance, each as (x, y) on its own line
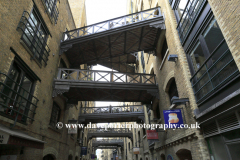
(112, 23)
(107, 140)
(109, 130)
(112, 109)
(105, 76)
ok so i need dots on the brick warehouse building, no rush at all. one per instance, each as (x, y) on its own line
(202, 34)
(30, 35)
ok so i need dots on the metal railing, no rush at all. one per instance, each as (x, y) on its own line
(51, 8)
(112, 109)
(33, 38)
(107, 140)
(112, 23)
(188, 17)
(212, 75)
(105, 76)
(106, 147)
(13, 101)
(109, 130)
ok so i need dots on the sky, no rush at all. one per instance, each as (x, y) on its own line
(101, 10)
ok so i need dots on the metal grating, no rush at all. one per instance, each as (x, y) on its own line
(228, 122)
(210, 129)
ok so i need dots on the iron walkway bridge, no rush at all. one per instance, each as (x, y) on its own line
(109, 132)
(107, 142)
(111, 43)
(106, 147)
(108, 114)
(90, 85)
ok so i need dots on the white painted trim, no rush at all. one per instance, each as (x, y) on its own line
(164, 58)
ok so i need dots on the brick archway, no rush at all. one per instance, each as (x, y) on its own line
(184, 154)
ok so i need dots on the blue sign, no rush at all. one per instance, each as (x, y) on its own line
(84, 151)
(173, 118)
(93, 156)
(169, 157)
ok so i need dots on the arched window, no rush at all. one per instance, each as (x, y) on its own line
(173, 90)
(62, 64)
(55, 115)
(184, 154)
(70, 157)
(48, 157)
(157, 112)
(163, 157)
(164, 48)
(139, 138)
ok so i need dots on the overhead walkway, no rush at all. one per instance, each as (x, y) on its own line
(134, 113)
(106, 147)
(107, 142)
(109, 132)
(112, 43)
(90, 85)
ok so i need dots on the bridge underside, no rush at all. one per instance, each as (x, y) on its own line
(94, 135)
(107, 118)
(100, 91)
(106, 147)
(112, 48)
(124, 63)
(118, 144)
(107, 94)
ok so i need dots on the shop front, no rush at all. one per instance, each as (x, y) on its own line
(13, 142)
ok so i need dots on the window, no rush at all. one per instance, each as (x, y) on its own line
(52, 10)
(143, 62)
(164, 48)
(225, 146)
(211, 61)
(55, 115)
(157, 113)
(139, 139)
(144, 131)
(172, 90)
(16, 98)
(128, 146)
(35, 35)
(62, 64)
(186, 12)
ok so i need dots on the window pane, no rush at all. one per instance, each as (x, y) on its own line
(33, 21)
(213, 35)
(8, 90)
(186, 13)
(234, 150)
(197, 57)
(35, 37)
(164, 48)
(185, 24)
(173, 90)
(218, 148)
(28, 34)
(54, 115)
(232, 135)
(49, 4)
(181, 7)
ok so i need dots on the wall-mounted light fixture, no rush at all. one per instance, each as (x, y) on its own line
(178, 101)
(172, 57)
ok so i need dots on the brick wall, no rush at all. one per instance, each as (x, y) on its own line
(10, 15)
